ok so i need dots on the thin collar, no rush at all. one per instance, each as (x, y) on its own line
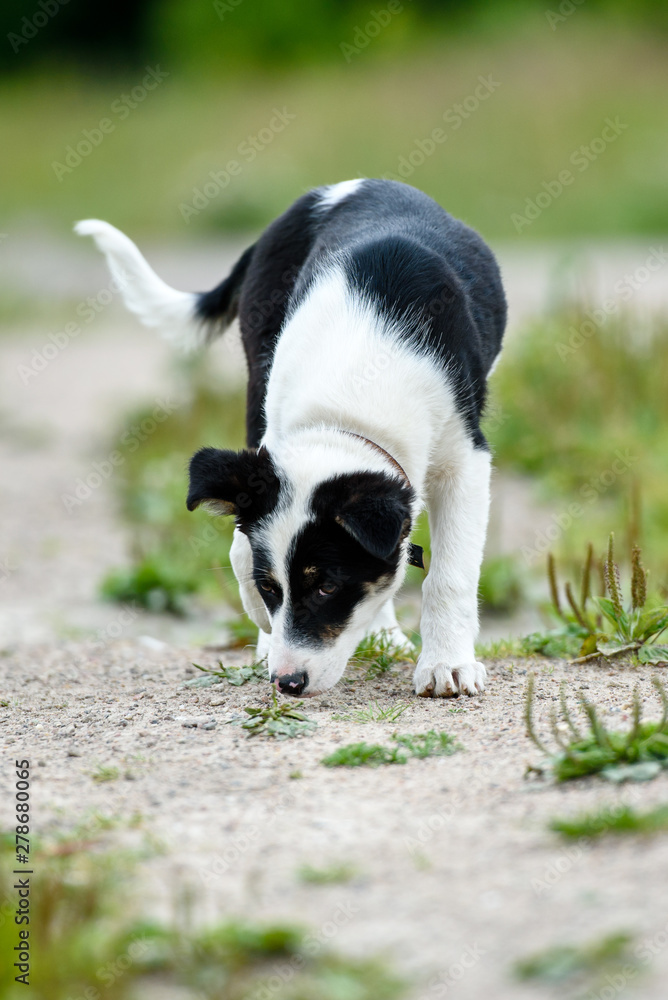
(415, 552)
(377, 447)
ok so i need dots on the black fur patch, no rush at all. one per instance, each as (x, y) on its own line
(372, 507)
(353, 544)
(242, 483)
(265, 298)
(315, 618)
(221, 304)
(263, 575)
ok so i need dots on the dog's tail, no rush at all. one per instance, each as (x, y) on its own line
(188, 319)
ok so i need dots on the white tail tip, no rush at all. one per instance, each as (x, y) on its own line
(144, 293)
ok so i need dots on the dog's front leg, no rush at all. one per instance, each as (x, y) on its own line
(458, 507)
(241, 557)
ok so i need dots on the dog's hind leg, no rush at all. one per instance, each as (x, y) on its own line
(386, 621)
(458, 505)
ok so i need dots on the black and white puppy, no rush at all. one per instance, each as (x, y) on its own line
(370, 320)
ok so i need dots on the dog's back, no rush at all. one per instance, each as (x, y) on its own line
(421, 269)
(430, 275)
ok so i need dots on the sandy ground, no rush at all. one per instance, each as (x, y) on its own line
(453, 860)
(456, 873)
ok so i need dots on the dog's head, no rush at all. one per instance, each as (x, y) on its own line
(328, 551)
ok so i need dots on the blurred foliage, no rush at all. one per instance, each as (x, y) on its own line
(589, 424)
(365, 117)
(176, 552)
(501, 588)
(86, 941)
(607, 626)
(224, 35)
(587, 966)
(150, 583)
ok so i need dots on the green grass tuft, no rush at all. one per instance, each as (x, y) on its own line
(617, 820)
(503, 649)
(336, 874)
(105, 773)
(429, 744)
(374, 713)
(243, 632)
(584, 966)
(251, 673)
(420, 745)
(281, 721)
(378, 652)
(364, 755)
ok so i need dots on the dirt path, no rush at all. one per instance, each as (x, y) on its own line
(452, 855)
(456, 873)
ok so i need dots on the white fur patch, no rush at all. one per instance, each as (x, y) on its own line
(341, 365)
(335, 193)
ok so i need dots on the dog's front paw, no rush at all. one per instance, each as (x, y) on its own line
(441, 681)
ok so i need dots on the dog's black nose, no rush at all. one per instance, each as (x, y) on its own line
(292, 683)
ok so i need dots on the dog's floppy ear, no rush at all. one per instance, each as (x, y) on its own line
(372, 507)
(242, 483)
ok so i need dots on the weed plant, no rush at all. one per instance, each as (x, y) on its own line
(641, 752)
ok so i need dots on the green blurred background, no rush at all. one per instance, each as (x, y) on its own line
(186, 120)
(364, 82)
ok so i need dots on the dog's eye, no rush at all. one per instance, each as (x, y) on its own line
(268, 586)
(327, 589)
